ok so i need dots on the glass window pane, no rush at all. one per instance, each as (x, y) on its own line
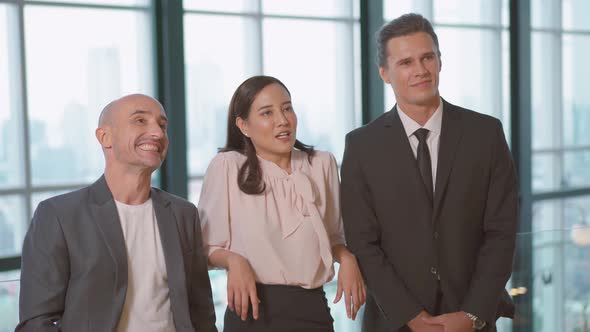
(576, 172)
(324, 8)
(221, 5)
(12, 225)
(545, 14)
(9, 292)
(546, 175)
(104, 2)
(323, 97)
(561, 252)
(575, 14)
(546, 97)
(86, 68)
(472, 74)
(11, 135)
(215, 64)
(395, 8)
(468, 11)
(576, 99)
(194, 190)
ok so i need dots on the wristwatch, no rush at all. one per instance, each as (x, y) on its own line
(476, 323)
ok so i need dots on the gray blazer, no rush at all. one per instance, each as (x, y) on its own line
(74, 263)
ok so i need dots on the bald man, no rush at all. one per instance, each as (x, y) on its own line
(118, 255)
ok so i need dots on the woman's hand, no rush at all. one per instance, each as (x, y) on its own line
(350, 282)
(241, 286)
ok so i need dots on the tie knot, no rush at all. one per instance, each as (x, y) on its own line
(421, 134)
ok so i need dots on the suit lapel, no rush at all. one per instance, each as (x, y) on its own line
(173, 255)
(106, 217)
(451, 132)
(402, 157)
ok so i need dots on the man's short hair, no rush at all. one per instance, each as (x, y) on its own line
(404, 25)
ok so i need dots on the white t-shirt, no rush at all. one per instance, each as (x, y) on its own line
(147, 302)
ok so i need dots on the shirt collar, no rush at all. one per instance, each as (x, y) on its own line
(433, 124)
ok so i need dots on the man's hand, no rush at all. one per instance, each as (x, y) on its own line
(453, 322)
(418, 324)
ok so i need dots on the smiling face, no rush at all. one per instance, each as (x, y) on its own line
(412, 70)
(271, 123)
(133, 133)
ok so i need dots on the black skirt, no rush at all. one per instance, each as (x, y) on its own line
(284, 309)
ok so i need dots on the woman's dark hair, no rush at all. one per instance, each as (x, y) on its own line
(250, 174)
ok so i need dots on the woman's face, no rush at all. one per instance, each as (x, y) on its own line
(271, 123)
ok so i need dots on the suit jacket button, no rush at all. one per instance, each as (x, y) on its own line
(433, 270)
(436, 235)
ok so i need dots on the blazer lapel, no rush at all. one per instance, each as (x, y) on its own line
(173, 255)
(106, 217)
(451, 132)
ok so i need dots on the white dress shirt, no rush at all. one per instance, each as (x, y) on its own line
(433, 125)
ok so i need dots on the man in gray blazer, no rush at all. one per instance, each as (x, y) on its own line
(429, 199)
(118, 255)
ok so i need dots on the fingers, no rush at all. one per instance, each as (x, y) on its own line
(347, 301)
(238, 302)
(338, 292)
(244, 305)
(255, 301)
(230, 298)
(435, 320)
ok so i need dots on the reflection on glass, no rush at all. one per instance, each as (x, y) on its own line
(9, 291)
(12, 225)
(11, 152)
(323, 95)
(215, 64)
(86, 67)
(469, 11)
(105, 2)
(233, 6)
(324, 8)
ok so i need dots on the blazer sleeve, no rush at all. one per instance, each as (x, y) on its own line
(202, 310)
(495, 257)
(363, 238)
(45, 273)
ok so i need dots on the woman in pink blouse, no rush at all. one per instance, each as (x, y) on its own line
(270, 213)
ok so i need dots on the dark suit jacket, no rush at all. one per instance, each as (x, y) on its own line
(74, 263)
(404, 244)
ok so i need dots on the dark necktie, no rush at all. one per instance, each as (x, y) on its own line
(423, 159)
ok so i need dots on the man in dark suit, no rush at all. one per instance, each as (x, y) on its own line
(118, 255)
(429, 197)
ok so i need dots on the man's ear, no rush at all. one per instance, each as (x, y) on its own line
(383, 74)
(104, 137)
(243, 126)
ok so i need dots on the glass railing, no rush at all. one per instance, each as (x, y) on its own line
(9, 290)
(551, 291)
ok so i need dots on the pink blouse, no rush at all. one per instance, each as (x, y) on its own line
(287, 232)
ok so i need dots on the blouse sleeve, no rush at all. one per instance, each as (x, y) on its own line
(332, 215)
(214, 206)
